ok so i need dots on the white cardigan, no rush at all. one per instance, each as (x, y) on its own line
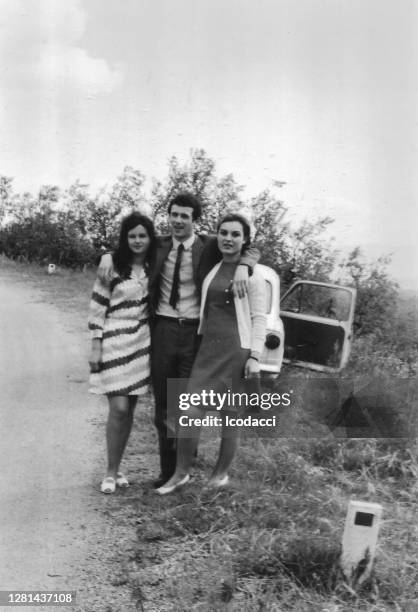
(250, 311)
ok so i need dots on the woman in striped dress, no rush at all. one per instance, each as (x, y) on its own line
(120, 351)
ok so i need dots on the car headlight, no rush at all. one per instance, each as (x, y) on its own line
(272, 341)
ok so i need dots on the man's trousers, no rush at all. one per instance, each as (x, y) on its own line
(174, 347)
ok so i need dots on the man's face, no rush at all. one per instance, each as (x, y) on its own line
(181, 222)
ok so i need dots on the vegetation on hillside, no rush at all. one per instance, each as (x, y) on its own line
(69, 227)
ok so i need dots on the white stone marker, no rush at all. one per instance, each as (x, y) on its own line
(359, 540)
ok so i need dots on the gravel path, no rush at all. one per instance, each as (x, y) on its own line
(57, 530)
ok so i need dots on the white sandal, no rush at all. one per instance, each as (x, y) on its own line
(122, 481)
(108, 485)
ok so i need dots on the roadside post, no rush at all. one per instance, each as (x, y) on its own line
(359, 540)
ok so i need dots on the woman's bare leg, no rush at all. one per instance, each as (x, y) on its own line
(118, 429)
(227, 451)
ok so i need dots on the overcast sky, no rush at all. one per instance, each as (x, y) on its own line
(321, 94)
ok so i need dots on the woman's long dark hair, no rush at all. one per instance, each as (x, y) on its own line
(246, 229)
(122, 257)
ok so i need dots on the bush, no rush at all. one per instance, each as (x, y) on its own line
(40, 239)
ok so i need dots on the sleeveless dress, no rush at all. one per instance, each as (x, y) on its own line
(119, 315)
(220, 361)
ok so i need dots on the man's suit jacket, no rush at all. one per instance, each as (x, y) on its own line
(205, 254)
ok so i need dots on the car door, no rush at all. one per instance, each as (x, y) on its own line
(272, 355)
(318, 320)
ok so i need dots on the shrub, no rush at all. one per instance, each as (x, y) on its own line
(40, 239)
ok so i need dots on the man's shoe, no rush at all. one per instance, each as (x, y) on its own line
(161, 480)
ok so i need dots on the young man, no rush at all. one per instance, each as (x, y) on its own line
(182, 261)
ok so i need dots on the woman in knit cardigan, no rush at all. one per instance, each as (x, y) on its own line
(233, 333)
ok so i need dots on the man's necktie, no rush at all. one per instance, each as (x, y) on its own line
(174, 296)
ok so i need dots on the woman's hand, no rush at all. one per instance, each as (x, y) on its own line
(106, 270)
(95, 355)
(240, 284)
(252, 368)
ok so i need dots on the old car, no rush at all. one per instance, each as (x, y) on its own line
(318, 320)
(311, 326)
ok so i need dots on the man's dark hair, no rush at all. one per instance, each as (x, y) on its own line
(246, 228)
(122, 257)
(187, 199)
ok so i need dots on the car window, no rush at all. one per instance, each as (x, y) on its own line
(319, 301)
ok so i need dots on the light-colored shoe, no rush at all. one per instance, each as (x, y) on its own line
(218, 484)
(166, 489)
(122, 481)
(108, 485)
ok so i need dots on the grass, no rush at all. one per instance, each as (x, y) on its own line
(271, 541)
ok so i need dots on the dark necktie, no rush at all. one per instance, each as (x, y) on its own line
(174, 296)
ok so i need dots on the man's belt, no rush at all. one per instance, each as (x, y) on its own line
(181, 321)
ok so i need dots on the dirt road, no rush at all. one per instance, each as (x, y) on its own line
(54, 528)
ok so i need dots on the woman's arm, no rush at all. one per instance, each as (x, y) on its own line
(99, 304)
(95, 354)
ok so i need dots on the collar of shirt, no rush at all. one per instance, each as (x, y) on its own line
(187, 243)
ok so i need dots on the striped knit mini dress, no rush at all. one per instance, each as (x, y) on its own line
(119, 316)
